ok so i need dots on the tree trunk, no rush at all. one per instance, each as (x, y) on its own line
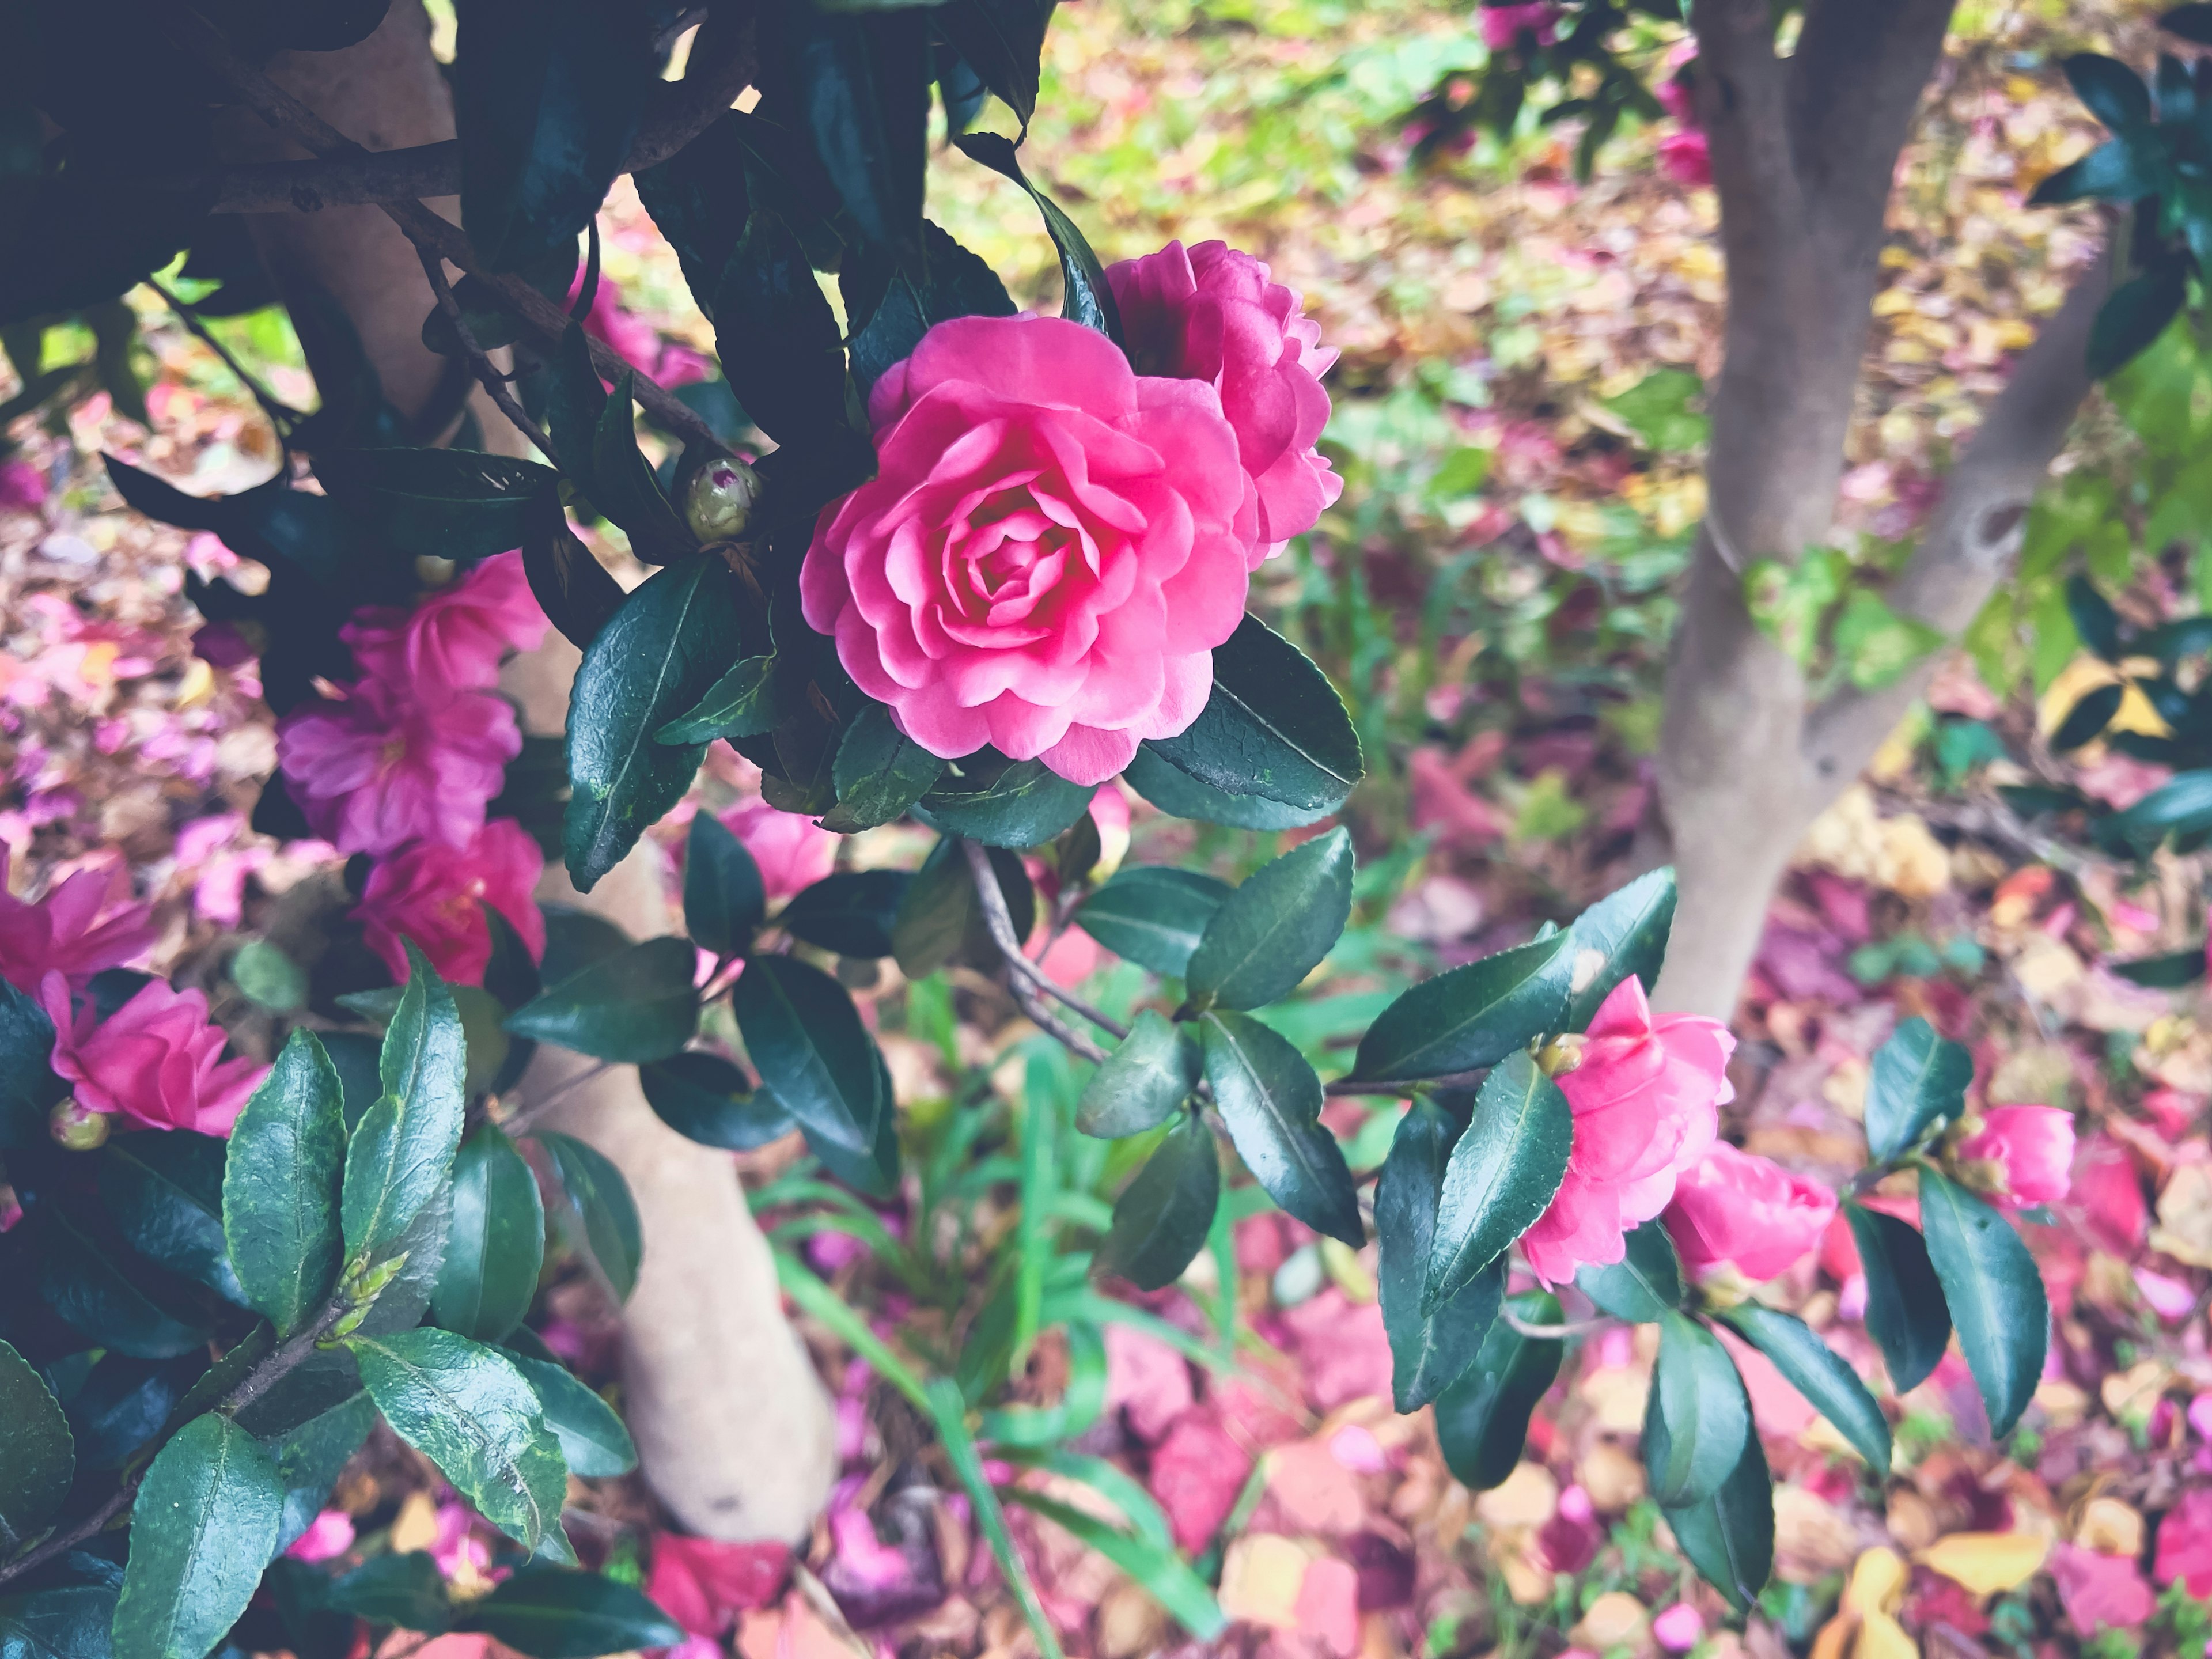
(733, 1428)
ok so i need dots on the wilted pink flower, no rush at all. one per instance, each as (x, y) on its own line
(156, 1060)
(63, 933)
(435, 897)
(1213, 315)
(792, 851)
(456, 638)
(22, 487)
(2185, 1543)
(703, 1584)
(2028, 1150)
(329, 1534)
(383, 768)
(1571, 1538)
(1052, 547)
(1503, 26)
(1686, 157)
(1735, 1208)
(1645, 1099)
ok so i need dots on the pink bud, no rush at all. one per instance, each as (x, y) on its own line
(1678, 1627)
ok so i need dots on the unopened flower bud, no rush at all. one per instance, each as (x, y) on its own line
(348, 1323)
(720, 502)
(373, 1279)
(76, 1128)
(1561, 1056)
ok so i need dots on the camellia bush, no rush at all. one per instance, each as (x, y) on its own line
(981, 565)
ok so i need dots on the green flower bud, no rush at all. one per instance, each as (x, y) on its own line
(719, 503)
(77, 1128)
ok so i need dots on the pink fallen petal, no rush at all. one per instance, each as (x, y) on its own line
(1328, 1606)
(1678, 1627)
(1146, 1381)
(1197, 1471)
(2169, 1298)
(2099, 1591)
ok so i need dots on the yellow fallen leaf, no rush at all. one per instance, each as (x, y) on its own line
(1986, 1563)
(1877, 1582)
(2111, 1526)
(1259, 1579)
(1881, 1636)
(2185, 1216)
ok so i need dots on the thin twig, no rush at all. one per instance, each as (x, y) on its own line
(487, 371)
(282, 415)
(544, 1103)
(1553, 1333)
(1000, 921)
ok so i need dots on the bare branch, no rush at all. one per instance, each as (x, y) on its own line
(480, 364)
(282, 415)
(1021, 970)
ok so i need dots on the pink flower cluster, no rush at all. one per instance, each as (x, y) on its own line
(1055, 541)
(403, 768)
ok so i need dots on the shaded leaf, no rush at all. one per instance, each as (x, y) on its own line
(1994, 1294)
(1646, 1285)
(1472, 1016)
(705, 1099)
(600, 1199)
(1272, 931)
(1482, 1420)
(1503, 1175)
(1271, 1102)
(1428, 1352)
(851, 913)
(1917, 1081)
(1161, 1220)
(203, 1527)
(38, 1455)
(723, 898)
(1150, 1073)
(496, 1243)
(637, 1005)
(1698, 1416)
(1273, 727)
(1906, 1310)
(1152, 914)
(1816, 1371)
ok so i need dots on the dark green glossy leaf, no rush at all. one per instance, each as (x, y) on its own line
(1150, 1072)
(851, 913)
(1025, 805)
(2180, 806)
(2114, 92)
(1697, 1417)
(2088, 718)
(806, 1041)
(2191, 21)
(165, 1193)
(468, 1410)
(1623, 932)
(1472, 1016)
(2118, 170)
(1271, 1102)
(1482, 1420)
(874, 1173)
(956, 284)
(1729, 1536)
(75, 1622)
(879, 772)
(638, 1005)
(405, 1590)
(1428, 1352)
(2094, 619)
(593, 1438)
(1152, 914)
(549, 1613)
(1503, 1175)
(1177, 793)
(2168, 972)
(723, 899)
(1089, 298)
(1274, 929)
(1816, 1371)
(37, 1457)
(1918, 1081)
(569, 583)
(623, 487)
(1273, 727)
(1161, 1220)
(123, 1403)
(655, 658)
(2135, 314)
(601, 1202)
(1994, 1294)
(281, 1185)
(1646, 1285)
(457, 504)
(777, 338)
(740, 704)
(698, 199)
(861, 79)
(1906, 1310)
(310, 1455)
(29, 1088)
(203, 1527)
(939, 917)
(401, 1155)
(96, 1286)
(705, 1099)
(497, 1243)
(1001, 40)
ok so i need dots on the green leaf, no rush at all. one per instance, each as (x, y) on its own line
(776, 336)
(1646, 1285)
(1428, 1352)
(268, 978)
(2117, 170)
(604, 1208)
(740, 704)
(497, 1242)
(1152, 914)
(1273, 726)
(2135, 314)
(281, 1185)
(123, 1403)
(655, 658)
(879, 772)
(96, 1286)
(203, 1527)
(1482, 1420)
(165, 1193)
(1906, 1310)
(1151, 1072)
(1816, 1371)
(569, 583)
(1089, 298)
(1503, 1175)
(1918, 1081)
(1002, 41)
(1623, 932)
(1154, 1567)
(1178, 795)
(547, 96)
(2166, 972)
(38, 1455)
(851, 913)
(593, 1438)
(705, 1099)
(939, 917)
(958, 284)
(861, 79)
(401, 1154)
(1271, 1102)
(2114, 92)
(1274, 930)
(457, 504)
(1025, 805)
(622, 485)
(405, 1590)
(29, 1088)
(1472, 1016)
(2088, 718)
(1729, 1536)
(723, 899)
(636, 1005)
(467, 1409)
(311, 1454)
(811, 1051)
(550, 1614)
(1697, 1417)
(74, 1621)
(1994, 1294)
(1160, 1221)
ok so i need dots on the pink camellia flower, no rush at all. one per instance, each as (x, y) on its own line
(383, 767)
(791, 849)
(156, 1060)
(1735, 1208)
(1503, 26)
(1210, 313)
(63, 933)
(1646, 1100)
(436, 895)
(456, 638)
(330, 1534)
(1686, 157)
(1051, 551)
(2184, 1544)
(2029, 1152)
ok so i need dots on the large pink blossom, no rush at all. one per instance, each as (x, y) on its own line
(384, 767)
(1051, 551)
(1735, 1208)
(2027, 1149)
(65, 932)
(435, 897)
(1645, 1098)
(456, 638)
(1213, 315)
(156, 1060)
(792, 850)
